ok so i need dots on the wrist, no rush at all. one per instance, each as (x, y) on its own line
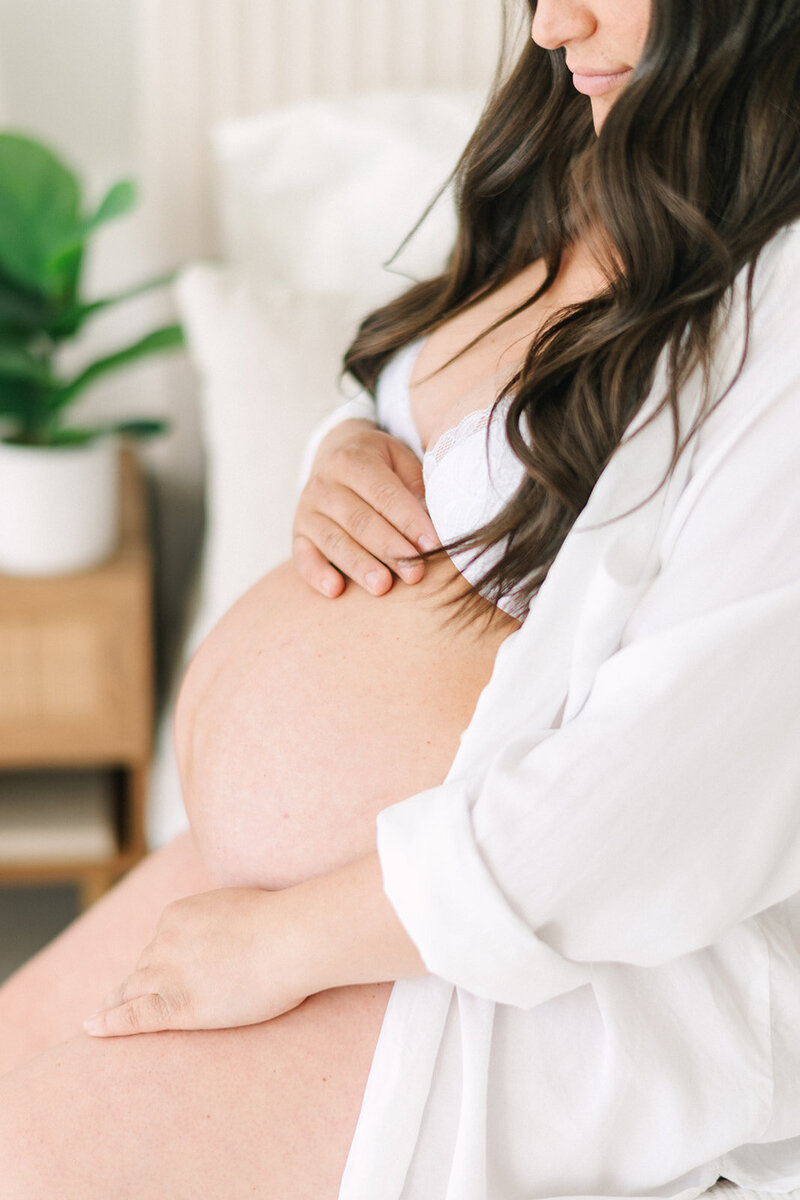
(346, 931)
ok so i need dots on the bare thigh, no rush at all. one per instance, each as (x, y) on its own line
(266, 1112)
(45, 1001)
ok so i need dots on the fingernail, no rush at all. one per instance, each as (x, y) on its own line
(328, 587)
(409, 568)
(92, 1024)
(427, 543)
(374, 580)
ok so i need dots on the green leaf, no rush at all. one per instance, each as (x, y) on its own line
(119, 200)
(18, 363)
(72, 319)
(75, 435)
(70, 437)
(22, 312)
(39, 210)
(27, 403)
(171, 337)
(68, 268)
(143, 427)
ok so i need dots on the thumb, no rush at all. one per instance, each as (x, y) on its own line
(145, 1014)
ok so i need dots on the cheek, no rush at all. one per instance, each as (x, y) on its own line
(640, 13)
(630, 20)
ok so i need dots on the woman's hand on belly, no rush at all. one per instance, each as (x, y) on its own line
(240, 956)
(362, 512)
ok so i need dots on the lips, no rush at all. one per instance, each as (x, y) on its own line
(597, 83)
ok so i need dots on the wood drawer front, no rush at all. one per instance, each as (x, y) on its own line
(76, 687)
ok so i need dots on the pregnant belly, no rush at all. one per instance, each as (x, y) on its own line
(300, 718)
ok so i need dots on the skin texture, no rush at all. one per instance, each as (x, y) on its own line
(284, 768)
(598, 36)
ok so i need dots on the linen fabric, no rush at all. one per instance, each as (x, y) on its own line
(606, 887)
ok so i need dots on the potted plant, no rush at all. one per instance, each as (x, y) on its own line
(59, 483)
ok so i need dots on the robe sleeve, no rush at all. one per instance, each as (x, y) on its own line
(667, 810)
(359, 407)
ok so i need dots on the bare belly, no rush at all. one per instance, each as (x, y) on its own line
(300, 718)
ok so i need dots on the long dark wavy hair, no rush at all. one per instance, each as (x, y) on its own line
(696, 168)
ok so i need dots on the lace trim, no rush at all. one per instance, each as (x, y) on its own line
(473, 422)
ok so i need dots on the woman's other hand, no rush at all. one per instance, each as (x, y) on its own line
(239, 956)
(362, 514)
(218, 960)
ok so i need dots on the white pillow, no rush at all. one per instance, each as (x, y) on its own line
(269, 364)
(317, 195)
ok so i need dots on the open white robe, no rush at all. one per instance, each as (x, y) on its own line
(606, 888)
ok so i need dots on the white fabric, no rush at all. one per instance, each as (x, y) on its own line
(476, 449)
(459, 454)
(606, 888)
(318, 195)
(263, 392)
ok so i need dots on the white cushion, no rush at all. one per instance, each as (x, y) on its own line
(317, 195)
(269, 366)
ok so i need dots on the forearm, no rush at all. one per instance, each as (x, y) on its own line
(347, 931)
(239, 956)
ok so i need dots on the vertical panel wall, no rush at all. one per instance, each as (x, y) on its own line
(204, 60)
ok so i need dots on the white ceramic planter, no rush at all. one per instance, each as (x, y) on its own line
(59, 507)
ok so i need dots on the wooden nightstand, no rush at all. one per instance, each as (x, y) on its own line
(76, 690)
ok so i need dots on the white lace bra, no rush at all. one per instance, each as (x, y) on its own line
(467, 478)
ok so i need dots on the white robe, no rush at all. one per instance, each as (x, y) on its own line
(606, 887)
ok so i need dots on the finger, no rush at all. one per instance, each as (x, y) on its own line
(372, 532)
(388, 494)
(408, 468)
(145, 1014)
(315, 568)
(139, 983)
(348, 555)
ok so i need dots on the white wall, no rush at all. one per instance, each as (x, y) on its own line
(68, 76)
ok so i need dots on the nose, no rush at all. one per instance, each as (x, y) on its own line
(559, 22)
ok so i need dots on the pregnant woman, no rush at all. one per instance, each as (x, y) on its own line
(492, 885)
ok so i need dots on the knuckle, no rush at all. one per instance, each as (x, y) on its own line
(341, 457)
(130, 1019)
(332, 539)
(161, 1006)
(359, 522)
(353, 455)
(385, 495)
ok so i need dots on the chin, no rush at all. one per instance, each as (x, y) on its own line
(600, 110)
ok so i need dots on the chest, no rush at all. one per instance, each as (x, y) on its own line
(442, 392)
